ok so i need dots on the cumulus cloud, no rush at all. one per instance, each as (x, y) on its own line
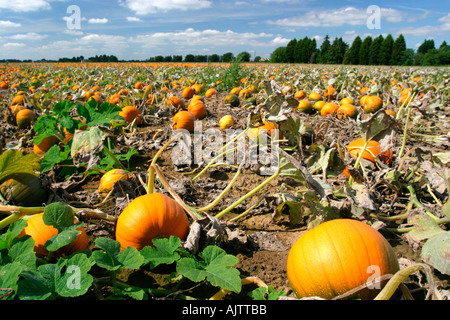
(143, 7)
(24, 5)
(337, 17)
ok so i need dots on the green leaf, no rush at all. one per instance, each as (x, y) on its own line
(216, 268)
(51, 158)
(436, 252)
(67, 278)
(101, 115)
(9, 276)
(23, 252)
(58, 215)
(15, 162)
(163, 252)
(76, 280)
(111, 258)
(14, 229)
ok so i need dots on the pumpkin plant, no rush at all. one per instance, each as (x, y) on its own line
(338, 256)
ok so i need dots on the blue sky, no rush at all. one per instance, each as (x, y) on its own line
(139, 29)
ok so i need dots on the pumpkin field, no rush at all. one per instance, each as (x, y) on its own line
(224, 181)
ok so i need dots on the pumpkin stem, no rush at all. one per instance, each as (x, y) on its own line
(223, 193)
(225, 147)
(15, 213)
(151, 170)
(390, 288)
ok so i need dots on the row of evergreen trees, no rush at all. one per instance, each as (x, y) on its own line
(370, 51)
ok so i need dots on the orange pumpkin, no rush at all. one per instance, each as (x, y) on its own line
(372, 150)
(329, 108)
(184, 120)
(109, 178)
(314, 96)
(44, 145)
(24, 118)
(188, 92)
(347, 111)
(210, 92)
(40, 232)
(372, 104)
(130, 113)
(197, 108)
(337, 256)
(175, 101)
(299, 95)
(148, 217)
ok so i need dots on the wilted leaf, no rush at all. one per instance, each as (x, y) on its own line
(378, 122)
(85, 144)
(436, 251)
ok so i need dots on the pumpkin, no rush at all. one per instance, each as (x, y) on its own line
(148, 217)
(347, 110)
(346, 100)
(314, 96)
(15, 108)
(184, 120)
(299, 95)
(24, 118)
(226, 122)
(23, 189)
(130, 113)
(46, 143)
(210, 92)
(175, 101)
(337, 256)
(245, 93)
(372, 104)
(109, 178)
(329, 108)
(318, 105)
(18, 99)
(197, 108)
(373, 150)
(139, 85)
(232, 99)
(41, 232)
(305, 106)
(329, 92)
(188, 92)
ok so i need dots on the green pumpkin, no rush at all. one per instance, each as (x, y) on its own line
(24, 190)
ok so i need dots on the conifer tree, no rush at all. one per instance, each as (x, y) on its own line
(386, 50)
(352, 55)
(398, 56)
(374, 50)
(365, 50)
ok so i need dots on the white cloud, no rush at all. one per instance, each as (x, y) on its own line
(337, 17)
(24, 5)
(13, 45)
(211, 37)
(133, 19)
(8, 24)
(143, 7)
(28, 36)
(98, 20)
(427, 30)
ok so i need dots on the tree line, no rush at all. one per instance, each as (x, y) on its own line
(368, 51)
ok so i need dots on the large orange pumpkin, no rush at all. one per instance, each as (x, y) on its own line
(337, 256)
(184, 120)
(148, 217)
(40, 232)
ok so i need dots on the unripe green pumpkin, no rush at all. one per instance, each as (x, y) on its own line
(24, 190)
